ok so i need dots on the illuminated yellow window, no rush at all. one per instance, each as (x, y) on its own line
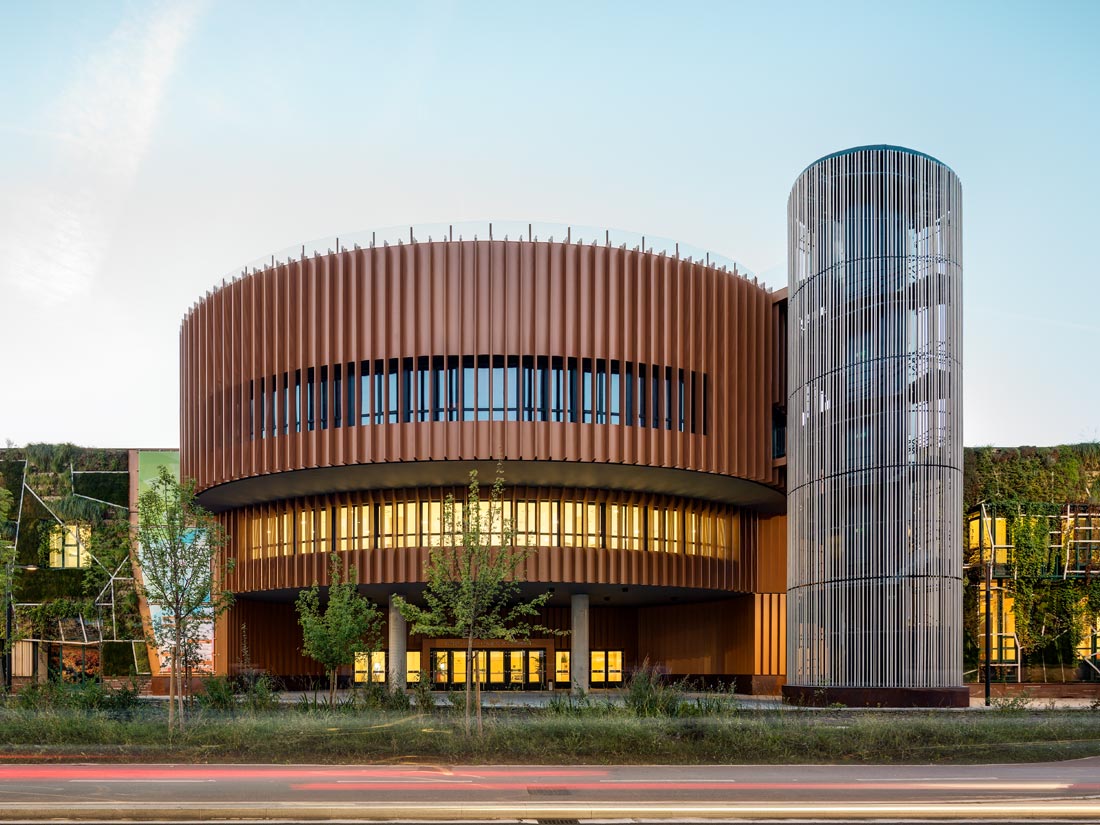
(69, 545)
(271, 535)
(535, 666)
(481, 666)
(378, 666)
(598, 672)
(431, 523)
(496, 666)
(548, 524)
(344, 531)
(286, 537)
(385, 527)
(657, 529)
(614, 666)
(458, 662)
(440, 669)
(320, 520)
(607, 666)
(255, 543)
(370, 666)
(364, 532)
(561, 667)
(672, 537)
(525, 515)
(412, 666)
(305, 531)
(362, 667)
(580, 524)
(692, 533)
(515, 667)
(627, 531)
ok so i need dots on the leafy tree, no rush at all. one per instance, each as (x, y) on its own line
(178, 545)
(347, 625)
(473, 580)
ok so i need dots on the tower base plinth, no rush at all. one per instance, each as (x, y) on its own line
(877, 697)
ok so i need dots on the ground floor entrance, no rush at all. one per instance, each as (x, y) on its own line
(517, 668)
(734, 641)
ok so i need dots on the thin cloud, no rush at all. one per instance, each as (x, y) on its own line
(55, 234)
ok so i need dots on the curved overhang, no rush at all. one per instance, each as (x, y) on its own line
(408, 474)
(601, 594)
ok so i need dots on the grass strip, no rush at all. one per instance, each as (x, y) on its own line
(761, 737)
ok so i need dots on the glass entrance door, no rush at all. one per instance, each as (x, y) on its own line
(497, 669)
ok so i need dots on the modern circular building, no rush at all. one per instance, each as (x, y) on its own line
(875, 430)
(634, 396)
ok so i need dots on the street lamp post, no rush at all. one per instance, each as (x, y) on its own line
(988, 603)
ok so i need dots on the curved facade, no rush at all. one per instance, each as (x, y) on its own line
(875, 429)
(329, 403)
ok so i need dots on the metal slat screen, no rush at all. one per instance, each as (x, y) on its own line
(874, 428)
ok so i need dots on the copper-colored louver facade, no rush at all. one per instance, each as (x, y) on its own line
(340, 380)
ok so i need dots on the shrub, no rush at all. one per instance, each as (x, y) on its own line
(647, 695)
(218, 693)
(422, 691)
(260, 694)
(379, 696)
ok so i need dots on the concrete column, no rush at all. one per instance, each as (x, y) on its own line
(395, 657)
(578, 642)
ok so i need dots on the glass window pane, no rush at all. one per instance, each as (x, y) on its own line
(615, 393)
(586, 390)
(469, 389)
(599, 666)
(483, 388)
(412, 666)
(515, 667)
(498, 389)
(614, 665)
(440, 669)
(496, 667)
(378, 666)
(601, 391)
(458, 665)
(310, 399)
(535, 667)
(362, 666)
(561, 667)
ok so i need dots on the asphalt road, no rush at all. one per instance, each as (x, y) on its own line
(1045, 791)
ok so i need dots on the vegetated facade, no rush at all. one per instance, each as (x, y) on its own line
(633, 397)
(76, 613)
(1033, 562)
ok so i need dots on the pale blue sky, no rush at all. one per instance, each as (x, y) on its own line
(147, 149)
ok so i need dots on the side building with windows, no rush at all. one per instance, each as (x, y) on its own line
(633, 396)
(74, 609)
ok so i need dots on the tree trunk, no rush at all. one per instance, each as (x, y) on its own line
(179, 686)
(332, 687)
(172, 689)
(477, 676)
(469, 670)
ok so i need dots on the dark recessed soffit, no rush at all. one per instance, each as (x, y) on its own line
(630, 478)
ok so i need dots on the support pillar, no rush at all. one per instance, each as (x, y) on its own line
(578, 642)
(395, 658)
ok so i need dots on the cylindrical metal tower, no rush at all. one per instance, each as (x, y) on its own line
(874, 424)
